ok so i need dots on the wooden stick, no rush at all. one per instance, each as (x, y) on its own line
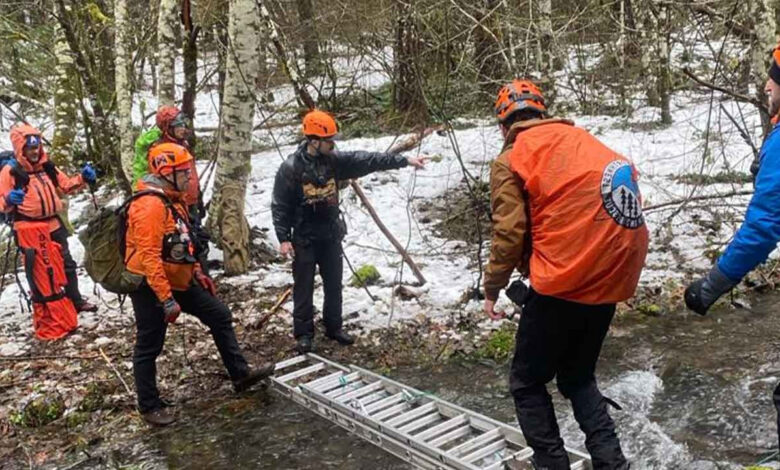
(273, 310)
(747, 192)
(121, 379)
(408, 259)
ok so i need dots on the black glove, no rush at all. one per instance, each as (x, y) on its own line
(517, 292)
(702, 293)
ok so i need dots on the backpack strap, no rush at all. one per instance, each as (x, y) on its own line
(51, 171)
(121, 212)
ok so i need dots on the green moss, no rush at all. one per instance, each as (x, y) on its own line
(39, 411)
(499, 345)
(76, 419)
(94, 398)
(651, 310)
(365, 275)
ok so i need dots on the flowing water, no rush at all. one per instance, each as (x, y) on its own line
(696, 394)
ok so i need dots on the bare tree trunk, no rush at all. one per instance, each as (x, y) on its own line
(764, 27)
(664, 80)
(124, 93)
(408, 93)
(227, 221)
(311, 43)
(190, 60)
(65, 111)
(166, 52)
(546, 50)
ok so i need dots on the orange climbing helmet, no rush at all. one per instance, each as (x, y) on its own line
(167, 157)
(319, 124)
(516, 96)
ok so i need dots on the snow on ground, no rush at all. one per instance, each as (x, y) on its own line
(660, 153)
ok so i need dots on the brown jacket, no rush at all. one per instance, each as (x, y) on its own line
(510, 248)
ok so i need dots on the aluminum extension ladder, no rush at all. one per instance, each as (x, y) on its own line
(416, 427)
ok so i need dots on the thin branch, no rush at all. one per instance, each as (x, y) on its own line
(726, 91)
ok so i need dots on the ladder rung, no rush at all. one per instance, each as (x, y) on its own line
(361, 392)
(478, 441)
(373, 398)
(314, 383)
(335, 383)
(290, 362)
(301, 372)
(412, 414)
(451, 436)
(392, 411)
(345, 388)
(385, 402)
(420, 423)
(485, 452)
(441, 428)
(518, 457)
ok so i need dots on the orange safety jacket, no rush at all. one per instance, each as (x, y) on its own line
(589, 234)
(156, 240)
(42, 195)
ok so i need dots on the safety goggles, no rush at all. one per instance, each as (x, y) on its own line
(181, 120)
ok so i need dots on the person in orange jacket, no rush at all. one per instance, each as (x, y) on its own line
(160, 248)
(39, 199)
(567, 212)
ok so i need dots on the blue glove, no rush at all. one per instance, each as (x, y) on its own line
(88, 173)
(15, 197)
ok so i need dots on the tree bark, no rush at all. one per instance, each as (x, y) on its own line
(124, 93)
(166, 52)
(65, 110)
(408, 93)
(190, 60)
(227, 220)
(546, 50)
(663, 46)
(311, 43)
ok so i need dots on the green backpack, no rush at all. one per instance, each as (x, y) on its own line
(140, 157)
(104, 246)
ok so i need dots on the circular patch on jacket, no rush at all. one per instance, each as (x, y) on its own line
(620, 195)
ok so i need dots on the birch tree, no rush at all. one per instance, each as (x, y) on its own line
(124, 93)
(226, 220)
(545, 53)
(166, 51)
(65, 110)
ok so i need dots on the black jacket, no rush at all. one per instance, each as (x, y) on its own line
(305, 202)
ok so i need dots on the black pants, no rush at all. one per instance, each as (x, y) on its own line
(308, 255)
(561, 338)
(72, 289)
(151, 328)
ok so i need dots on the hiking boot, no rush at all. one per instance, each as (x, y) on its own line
(86, 307)
(341, 337)
(159, 417)
(254, 376)
(304, 345)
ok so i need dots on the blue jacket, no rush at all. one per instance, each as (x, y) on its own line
(760, 231)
